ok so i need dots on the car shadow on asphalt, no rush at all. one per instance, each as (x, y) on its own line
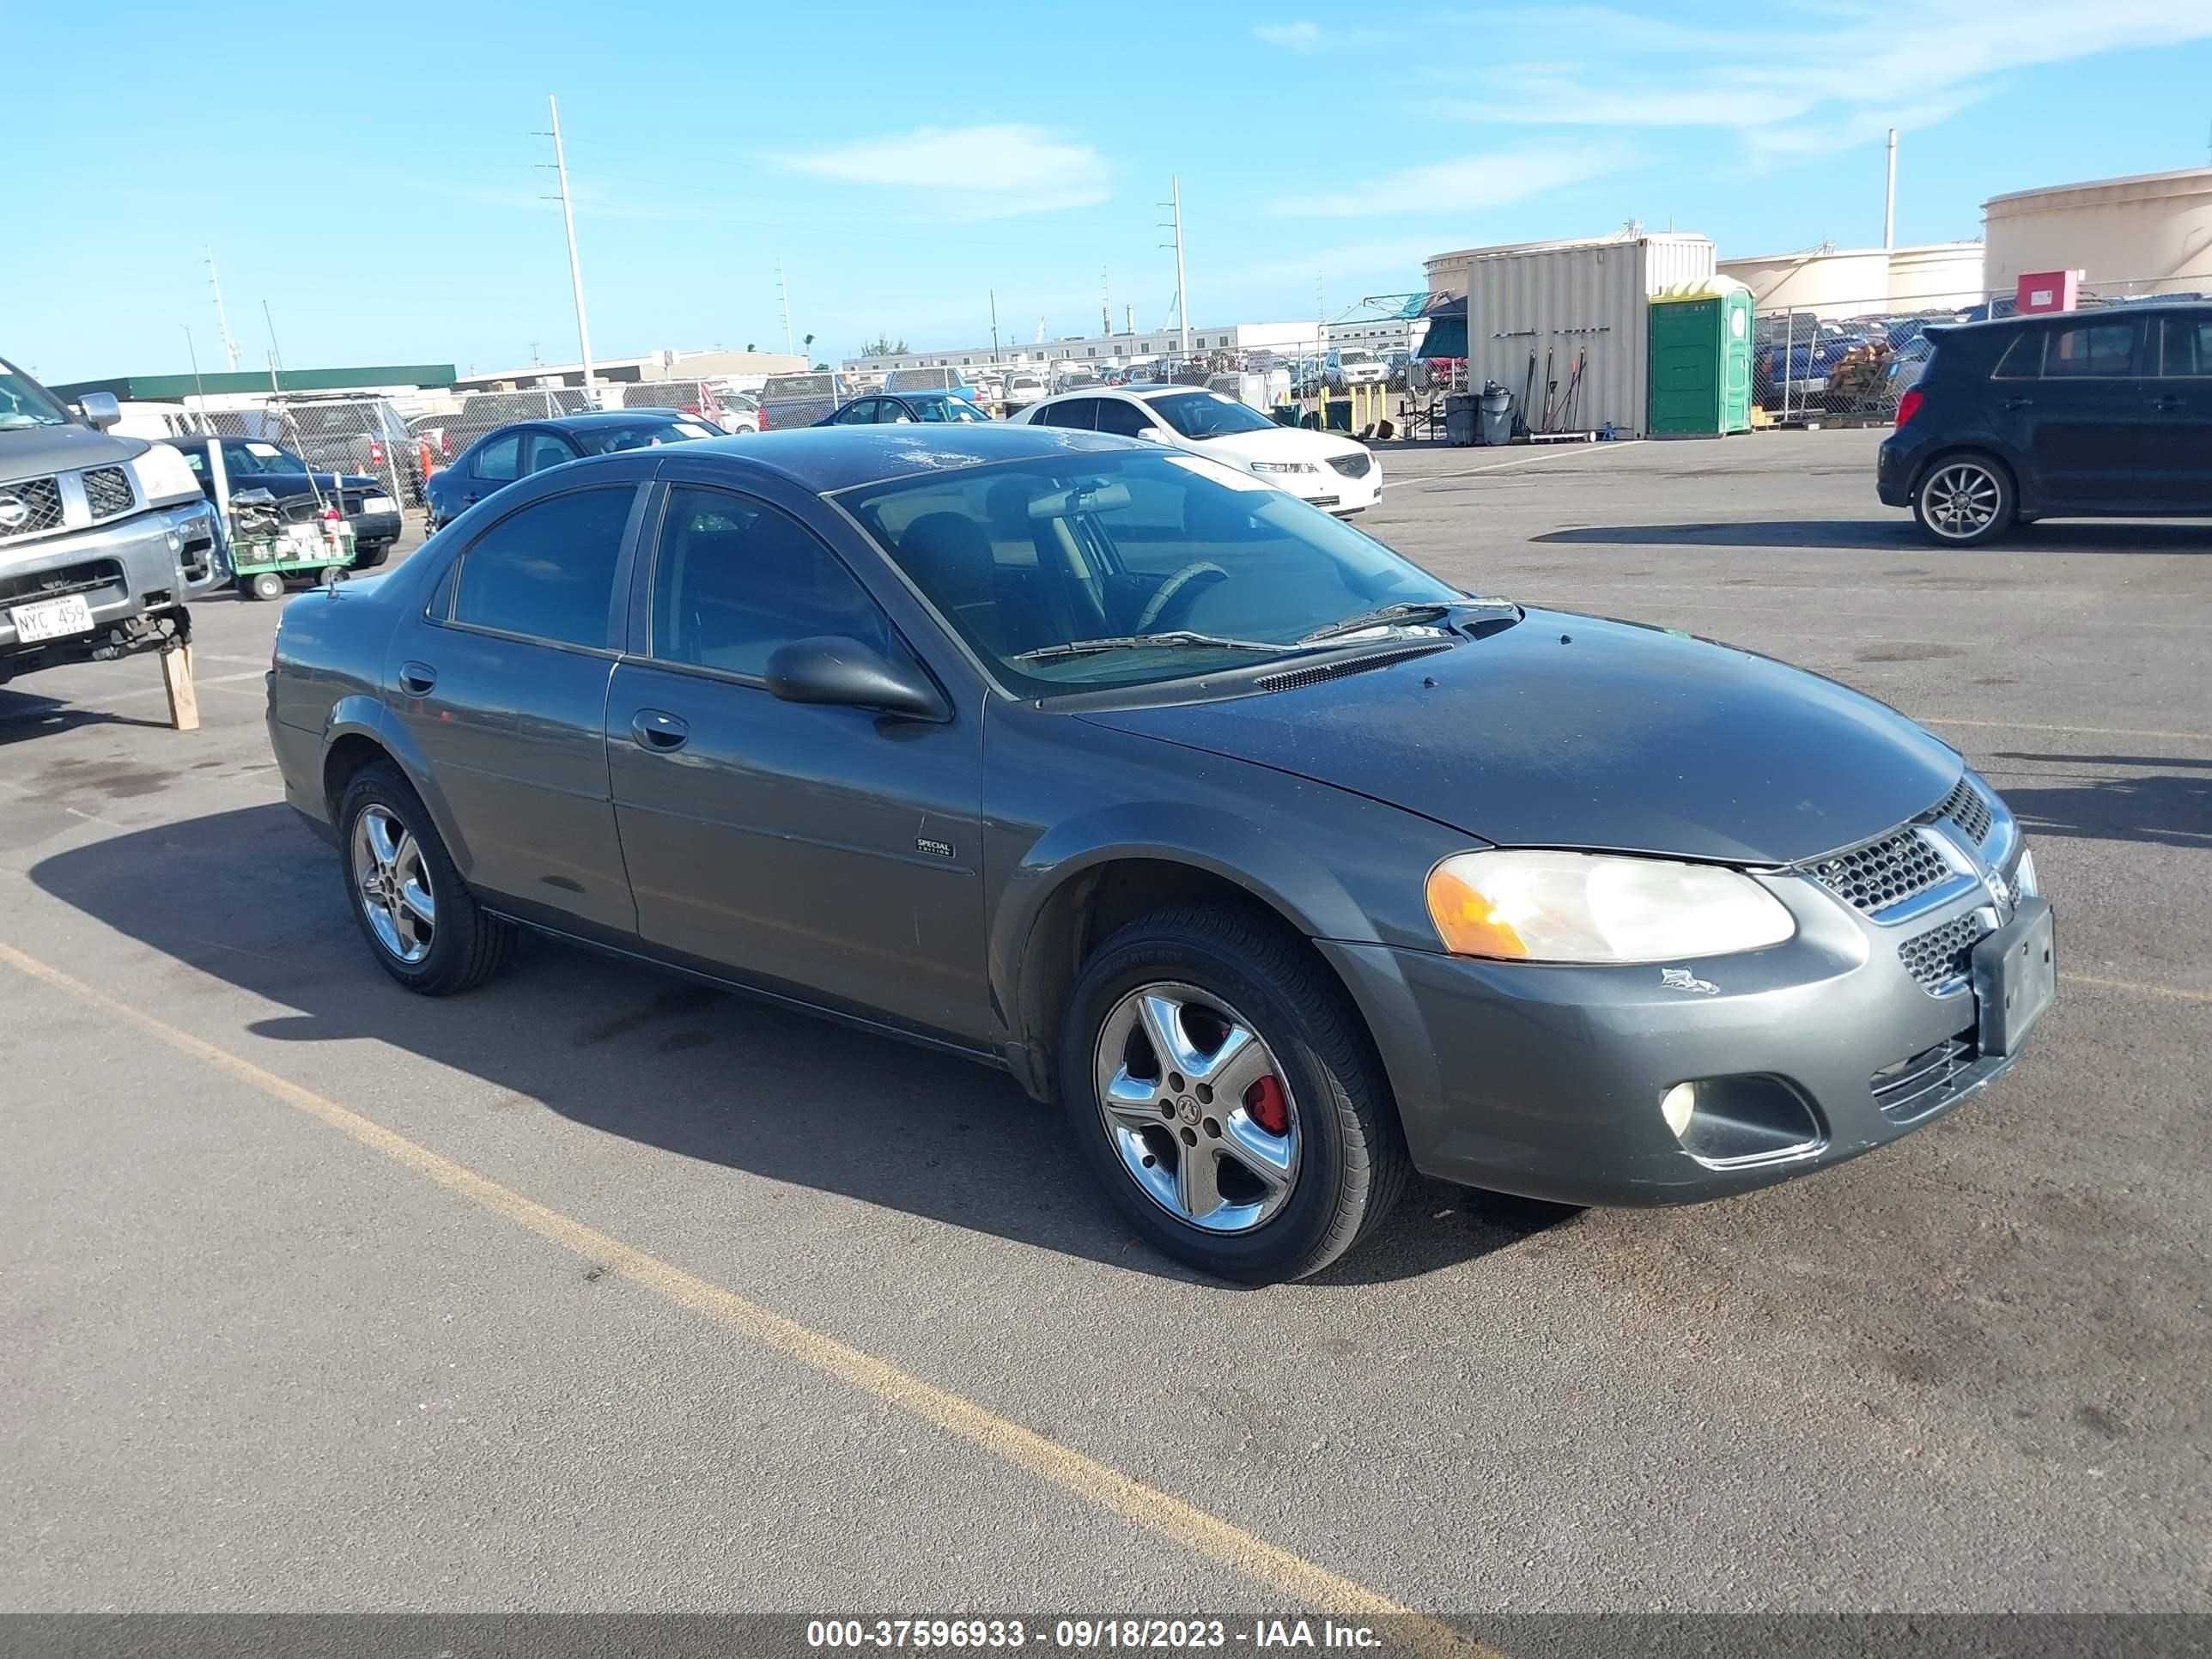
(2169, 810)
(24, 716)
(252, 898)
(1898, 534)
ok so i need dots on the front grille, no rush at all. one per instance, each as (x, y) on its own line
(1964, 807)
(1917, 1085)
(107, 491)
(28, 506)
(1291, 679)
(1943, 954)
(1352, 466)
(1888, 872)
(88, 578)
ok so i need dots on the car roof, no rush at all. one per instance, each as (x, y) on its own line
(827, 458)
(595, 419)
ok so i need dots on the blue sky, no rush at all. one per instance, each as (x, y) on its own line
(901, 160)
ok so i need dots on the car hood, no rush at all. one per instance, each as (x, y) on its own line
(1571, 731)
(1283, 444)
(31, 452)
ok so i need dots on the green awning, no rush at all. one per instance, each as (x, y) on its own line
(1447, 336)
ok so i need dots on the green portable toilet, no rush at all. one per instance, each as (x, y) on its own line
(1701, 358)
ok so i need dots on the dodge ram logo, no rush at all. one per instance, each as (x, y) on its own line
(14, 511)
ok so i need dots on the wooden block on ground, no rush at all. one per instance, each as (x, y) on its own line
(177, 680)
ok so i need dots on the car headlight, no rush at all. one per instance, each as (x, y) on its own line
(1589, 907)
(1284, 467)
(162, 474)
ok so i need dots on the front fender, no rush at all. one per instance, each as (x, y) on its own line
(1243, 851)
(361, 715)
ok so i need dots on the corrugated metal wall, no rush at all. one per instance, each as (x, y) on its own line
(1561, 301)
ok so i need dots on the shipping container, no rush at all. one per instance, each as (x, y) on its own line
(1535, 312)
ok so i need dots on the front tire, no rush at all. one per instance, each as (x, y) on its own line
(1965, 500)
(1223, 1090)
(423, 926)
(267, 585)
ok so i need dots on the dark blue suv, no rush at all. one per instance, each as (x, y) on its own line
(2078, 414)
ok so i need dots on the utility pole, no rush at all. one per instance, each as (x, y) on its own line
(1182, 297)
(1105, 305)
(1889, 199)
(221, 321)
(783, 298)
(576, 267)
(994, 324)
(276, 351)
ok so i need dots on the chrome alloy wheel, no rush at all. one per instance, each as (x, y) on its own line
(394, 884)
(1197, 1107)
(1960, 499)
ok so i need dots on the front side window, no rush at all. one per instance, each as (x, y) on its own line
(2090, 351)
(500, 459)
(548, 572)
(733, 580)
(1122, 419)
(1099, 551)
(643, 437)
(861, 412)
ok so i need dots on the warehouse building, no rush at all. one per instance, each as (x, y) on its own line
(653, 366)
(2150, 234)
(1287, 339)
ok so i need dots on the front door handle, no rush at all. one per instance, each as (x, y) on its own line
(2019, 403)
(2165, 406)
(659, 731)
(417, 679)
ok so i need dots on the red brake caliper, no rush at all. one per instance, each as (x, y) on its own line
(1268, 1106)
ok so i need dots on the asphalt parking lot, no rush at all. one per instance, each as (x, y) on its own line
(599, 1290)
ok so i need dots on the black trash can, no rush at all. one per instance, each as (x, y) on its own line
(1459, 418)
(1496, 414)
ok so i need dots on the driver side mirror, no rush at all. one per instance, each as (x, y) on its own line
(99, 410)
(830, 670)
(1154, 434)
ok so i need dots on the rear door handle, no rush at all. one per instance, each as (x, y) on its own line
(417, 679)
(2165, 406)
(2019, 403)
(659, 731)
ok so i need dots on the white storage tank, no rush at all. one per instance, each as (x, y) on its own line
(2151, 234)
(1559, 303)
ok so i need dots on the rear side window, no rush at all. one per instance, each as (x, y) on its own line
(1126, 420)
(2090, 351)
(2187, 353)
(501, 458)
(548, 572)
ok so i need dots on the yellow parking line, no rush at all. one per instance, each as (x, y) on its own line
(2140, 987)
(1293, 1576)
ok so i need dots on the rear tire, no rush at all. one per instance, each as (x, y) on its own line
(1965, 500)
(464, 946)
(368, 555)
(1345, 1151)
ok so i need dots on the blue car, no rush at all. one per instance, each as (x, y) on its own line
(888, 408)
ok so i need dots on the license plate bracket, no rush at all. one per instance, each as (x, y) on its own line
(2015, 973)
(51, 619)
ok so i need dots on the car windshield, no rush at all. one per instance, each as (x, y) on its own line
(1087, 571)
(1208, 414)
(1355, 356)
(642, 437)
(254, 456)
(24, 402)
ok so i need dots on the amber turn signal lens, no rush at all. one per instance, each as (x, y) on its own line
(1465, 920)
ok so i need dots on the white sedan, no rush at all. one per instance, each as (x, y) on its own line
(1326, 468)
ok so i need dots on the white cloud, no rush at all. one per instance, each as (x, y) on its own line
(969, 173)
(1308, 37)
(1462, 184)
(1811, 78)
(1291, 37)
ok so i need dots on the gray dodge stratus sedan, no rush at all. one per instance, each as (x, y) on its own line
(1284, 866)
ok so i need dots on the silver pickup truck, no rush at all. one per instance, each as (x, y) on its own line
(102, 538)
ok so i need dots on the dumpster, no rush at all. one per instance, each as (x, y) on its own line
(1496, 408)
(1459, 417)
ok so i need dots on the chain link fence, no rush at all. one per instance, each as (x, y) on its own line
(1845, 361)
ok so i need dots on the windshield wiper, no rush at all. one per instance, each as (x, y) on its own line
(1140, 641)
(1407, 612)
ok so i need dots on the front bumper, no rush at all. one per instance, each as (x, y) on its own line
(1546, 1081)
(148, 562)
(1333, 491)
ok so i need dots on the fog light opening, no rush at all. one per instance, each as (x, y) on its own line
(1678, 1106)
(1747, 1119)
